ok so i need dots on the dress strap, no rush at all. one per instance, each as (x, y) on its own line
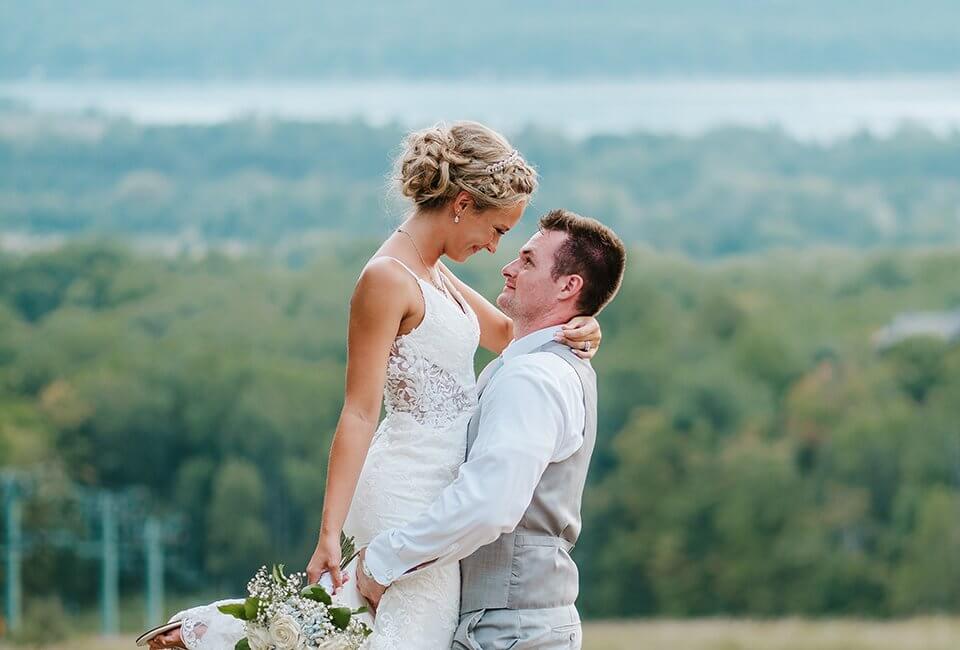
(409, 270)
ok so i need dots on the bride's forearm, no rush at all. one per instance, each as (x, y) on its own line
(504, 333)
(347, 455)
(496, 328)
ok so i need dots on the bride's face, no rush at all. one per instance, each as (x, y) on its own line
(481, 230)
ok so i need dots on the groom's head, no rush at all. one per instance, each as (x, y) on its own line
(571, 266)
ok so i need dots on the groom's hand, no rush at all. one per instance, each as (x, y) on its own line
(367, 586)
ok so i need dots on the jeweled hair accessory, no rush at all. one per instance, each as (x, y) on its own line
(501, 164)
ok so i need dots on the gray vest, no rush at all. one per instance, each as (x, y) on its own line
(531, 567)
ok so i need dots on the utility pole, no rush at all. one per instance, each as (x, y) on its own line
(153, 540)
(14, 591)
(109, 565)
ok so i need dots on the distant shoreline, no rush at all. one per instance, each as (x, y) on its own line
(808, 108)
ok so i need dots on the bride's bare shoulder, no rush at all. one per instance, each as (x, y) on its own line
(387, 277)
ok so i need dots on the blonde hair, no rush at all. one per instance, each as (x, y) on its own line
(439, 162)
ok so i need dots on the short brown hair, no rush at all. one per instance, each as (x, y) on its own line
(592, 251)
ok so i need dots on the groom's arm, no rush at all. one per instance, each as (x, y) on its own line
(527, 410)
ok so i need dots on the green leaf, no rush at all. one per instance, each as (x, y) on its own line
(348, 550)
(317, 593)
(340, 617)
(236, 610)
(361, 610)
(250, 607)
(278, 574)
(242, 644)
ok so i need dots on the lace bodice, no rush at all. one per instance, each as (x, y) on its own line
(429, 396)
(430, 370)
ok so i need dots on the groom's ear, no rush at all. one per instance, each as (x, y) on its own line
(571, 287)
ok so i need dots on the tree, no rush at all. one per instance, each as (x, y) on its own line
(238, 540)
(928, 578)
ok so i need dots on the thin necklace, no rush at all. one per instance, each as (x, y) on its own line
(433, 281)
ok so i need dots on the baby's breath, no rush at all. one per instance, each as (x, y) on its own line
(280, 599)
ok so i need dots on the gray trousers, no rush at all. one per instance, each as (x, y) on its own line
(557, 628)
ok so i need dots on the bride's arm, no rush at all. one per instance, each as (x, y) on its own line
(379, 304)
(496, 328)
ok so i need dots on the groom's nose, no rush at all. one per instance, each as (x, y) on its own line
(507, 271)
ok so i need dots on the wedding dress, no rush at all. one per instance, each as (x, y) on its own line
(429, 397)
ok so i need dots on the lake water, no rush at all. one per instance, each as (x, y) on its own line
(818, 109)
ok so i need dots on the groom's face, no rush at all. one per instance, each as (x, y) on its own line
(529, 288)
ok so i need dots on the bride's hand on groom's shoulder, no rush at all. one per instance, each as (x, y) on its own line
(582, 335)
(326, 559)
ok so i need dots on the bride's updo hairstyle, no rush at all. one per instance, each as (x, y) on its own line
(439, 162)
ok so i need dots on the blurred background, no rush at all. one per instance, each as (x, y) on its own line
(188, 191)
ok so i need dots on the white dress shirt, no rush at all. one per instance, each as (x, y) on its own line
(532, 415)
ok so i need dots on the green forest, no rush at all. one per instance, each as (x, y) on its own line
(266, 182)
(184, 345)
(757, 455)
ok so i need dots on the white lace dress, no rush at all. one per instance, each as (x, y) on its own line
(429, 397)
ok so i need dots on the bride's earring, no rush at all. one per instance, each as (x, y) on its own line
(456, 218)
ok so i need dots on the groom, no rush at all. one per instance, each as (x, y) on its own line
(513, 514)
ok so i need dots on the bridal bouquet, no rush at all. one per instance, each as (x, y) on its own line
(282, 613)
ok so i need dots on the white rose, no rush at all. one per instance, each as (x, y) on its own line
(258, 638)
(285, 633)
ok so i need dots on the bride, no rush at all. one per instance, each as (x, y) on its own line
(414, 328)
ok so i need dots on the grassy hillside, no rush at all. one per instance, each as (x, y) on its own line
(721, 634)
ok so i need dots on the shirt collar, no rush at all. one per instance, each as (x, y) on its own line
(530, 342)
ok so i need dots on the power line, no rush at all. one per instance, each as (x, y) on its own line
(116, 528)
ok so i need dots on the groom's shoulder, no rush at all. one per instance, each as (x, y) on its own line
(541, 366)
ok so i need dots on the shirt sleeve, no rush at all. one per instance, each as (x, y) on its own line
(526, 412)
